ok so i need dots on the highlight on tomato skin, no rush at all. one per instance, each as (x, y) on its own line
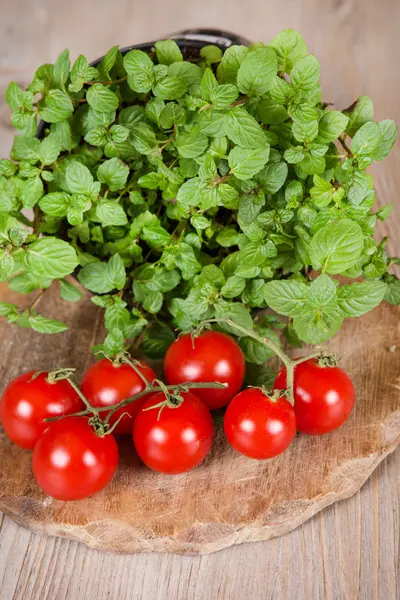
(210, 356)
(258, 425)
(105, 384)
(173, 440)
(324, 396)
(71, 462)
(28, 400)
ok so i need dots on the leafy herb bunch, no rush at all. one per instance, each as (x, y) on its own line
(182, 190)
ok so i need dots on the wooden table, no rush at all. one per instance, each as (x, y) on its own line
(350, 550)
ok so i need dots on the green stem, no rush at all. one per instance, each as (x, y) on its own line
(89, 407)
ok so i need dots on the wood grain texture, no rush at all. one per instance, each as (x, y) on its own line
(229, 499)
(350, 550)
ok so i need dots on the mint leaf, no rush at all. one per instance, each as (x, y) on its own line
(233, 287)
(110, 212)
(243, 129)
(44, 325)
(101, 98)
(256, 71)
(113, 173)
(116, 272)
(331, 125)
(290, 48)
(156, 340)
(26, 148)
(32, 192)
(359, 298)
(61, 70)
(27, 283)
(55, 107)
(156, 236)
(139, 67)
(388, 136)
(50, 149)
(321, 192)
(50, 257)
(170, 88)
(69, 292)
(366, 139)
(191, 144)
(94, 277)
(337, 246)
(211, 54)
(81, 73)
(168, 52)
(392, 294)
(230, 63)
(286, 297)
(245, 162)
(361, 112)
(223, 95)
(55, 204)
(79, 179)
(305, 73)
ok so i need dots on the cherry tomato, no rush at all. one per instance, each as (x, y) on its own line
(211, 356)
(26, 402)
(175, 440)
(323, 396)
(105, 384)
(259, 426)
(71, 462)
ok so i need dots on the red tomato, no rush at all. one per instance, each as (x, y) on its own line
(259, 426)
(105, 384)
(25, 404)
(323, 396)
(71, 462)
(211, 356)
(179, 440)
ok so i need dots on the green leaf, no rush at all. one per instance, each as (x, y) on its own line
(79, 179)
(337, 246)
(290, 48)
(55, 107)
(69, 292)
(208, 84)
(271, 113)
(81, 73)
(26, 148)
(230, 63)
(245, 162)
(243, 129)
(191, 74)
(294, 155)
(168, 52)
(61, 70)
(191, 144)
(51, 257)
(359, 298)
(360, 113)
(235, 311)
(113, 173)
(256, 71)
(366, 140)
(139, 67)
(255, 254)
(156, 236)
(27, 283)
(228, 236)
(255, 352)
(286, 297)
(114, 343)
(223, 95)
(116, 316)
(321, 192)
(388, 136)
(317, 327)
(392, 294)
(305, 73)
(273, 176)
(357, 187)
(101, 98)
(153, 302)
(110, 212)
(108, 62)
(55, 204)
(170, 88)
(50, 149)
(32, 192)
(211, 54)
(331, 125)
(156, 340)
(44, 325)
(233, 286)
(172, 114)
(94, 277)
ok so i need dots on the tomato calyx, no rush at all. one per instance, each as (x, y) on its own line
(171, 400)
(327, 360)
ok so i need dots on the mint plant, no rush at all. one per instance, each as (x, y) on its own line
(178, 191)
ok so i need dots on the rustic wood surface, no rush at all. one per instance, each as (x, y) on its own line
(350, 550)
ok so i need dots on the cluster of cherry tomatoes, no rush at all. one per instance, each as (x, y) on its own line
(172, 430)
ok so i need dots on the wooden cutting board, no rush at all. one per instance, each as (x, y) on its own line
(229, 499)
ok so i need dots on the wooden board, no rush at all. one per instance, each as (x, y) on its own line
(229, 499)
